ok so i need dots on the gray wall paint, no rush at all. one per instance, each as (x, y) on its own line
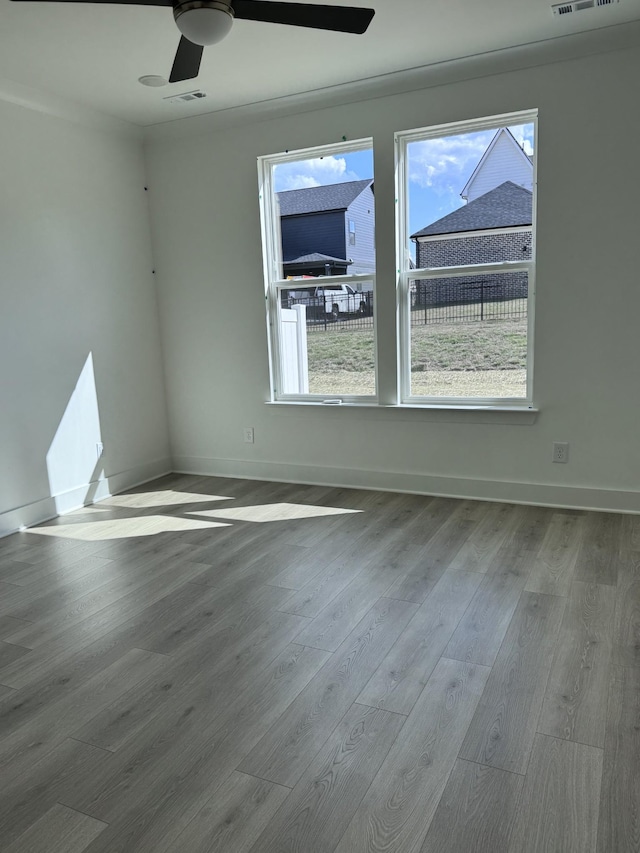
(76, 282)
(587, 351)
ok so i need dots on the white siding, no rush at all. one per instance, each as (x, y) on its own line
(363, 253)
(505, 162)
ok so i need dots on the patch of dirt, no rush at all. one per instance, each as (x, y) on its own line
(434, 383)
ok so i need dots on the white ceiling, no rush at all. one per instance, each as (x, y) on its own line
(93, 54)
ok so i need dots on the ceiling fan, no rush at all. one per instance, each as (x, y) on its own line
(204, 22)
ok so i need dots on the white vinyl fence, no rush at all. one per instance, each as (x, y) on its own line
(294, 361)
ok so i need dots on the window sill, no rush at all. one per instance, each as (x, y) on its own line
(506, 415)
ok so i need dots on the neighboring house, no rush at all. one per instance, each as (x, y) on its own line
(504, 160)
(494, 227)
(328, 230)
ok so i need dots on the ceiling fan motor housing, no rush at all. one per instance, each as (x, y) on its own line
(203, 21)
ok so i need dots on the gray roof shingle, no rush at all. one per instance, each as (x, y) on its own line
(320, 199)
(506, 206)
(317, 258)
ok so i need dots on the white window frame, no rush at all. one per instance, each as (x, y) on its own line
(274, 284)
(407, 275)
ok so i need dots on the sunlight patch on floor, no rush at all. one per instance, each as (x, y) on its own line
(144, 500)
(125, 528)
(91, 509)
(275, 512)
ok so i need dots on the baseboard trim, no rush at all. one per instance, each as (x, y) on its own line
(534, 494)
(51, 507)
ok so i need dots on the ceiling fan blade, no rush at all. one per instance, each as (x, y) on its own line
(186, 65)
(118, 2)
(342, 19)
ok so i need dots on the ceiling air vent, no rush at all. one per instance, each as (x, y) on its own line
(185, 97)
(578, 5)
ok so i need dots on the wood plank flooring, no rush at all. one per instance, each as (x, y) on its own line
(206, 664)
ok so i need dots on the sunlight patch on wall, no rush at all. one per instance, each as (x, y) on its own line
(125, 528)
(276, 512)
(72, 459)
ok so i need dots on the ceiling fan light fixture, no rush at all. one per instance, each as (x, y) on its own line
(204, 21)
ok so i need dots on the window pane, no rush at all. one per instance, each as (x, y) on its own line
(469, 335)
(470, 197)
(327, 340)
(322, 203)
(466, 214)
(320, 234)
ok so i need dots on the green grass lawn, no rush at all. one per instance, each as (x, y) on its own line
(487, 345)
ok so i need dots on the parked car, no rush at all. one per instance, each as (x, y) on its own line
(332, 300)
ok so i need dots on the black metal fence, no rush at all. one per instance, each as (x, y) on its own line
(455, 299)
(452, 299)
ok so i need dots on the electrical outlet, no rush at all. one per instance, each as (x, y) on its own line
(248, 435)
(560, 451)
(99, 449)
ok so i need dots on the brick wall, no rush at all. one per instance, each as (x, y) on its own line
(481, 249)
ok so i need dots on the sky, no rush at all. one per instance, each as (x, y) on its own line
(437, 169)
(320, 171)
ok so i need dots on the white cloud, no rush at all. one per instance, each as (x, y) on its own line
(445, 163)
(295, 182)
(438, 163)
(524, 135)
(312, 173)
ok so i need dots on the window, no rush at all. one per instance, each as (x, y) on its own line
(320, 296)
(465, 228)
(466, 244)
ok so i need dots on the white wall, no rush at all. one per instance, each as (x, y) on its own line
(80, 357)
(207, 242)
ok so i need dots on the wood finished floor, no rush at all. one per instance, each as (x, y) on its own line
(205, 664)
